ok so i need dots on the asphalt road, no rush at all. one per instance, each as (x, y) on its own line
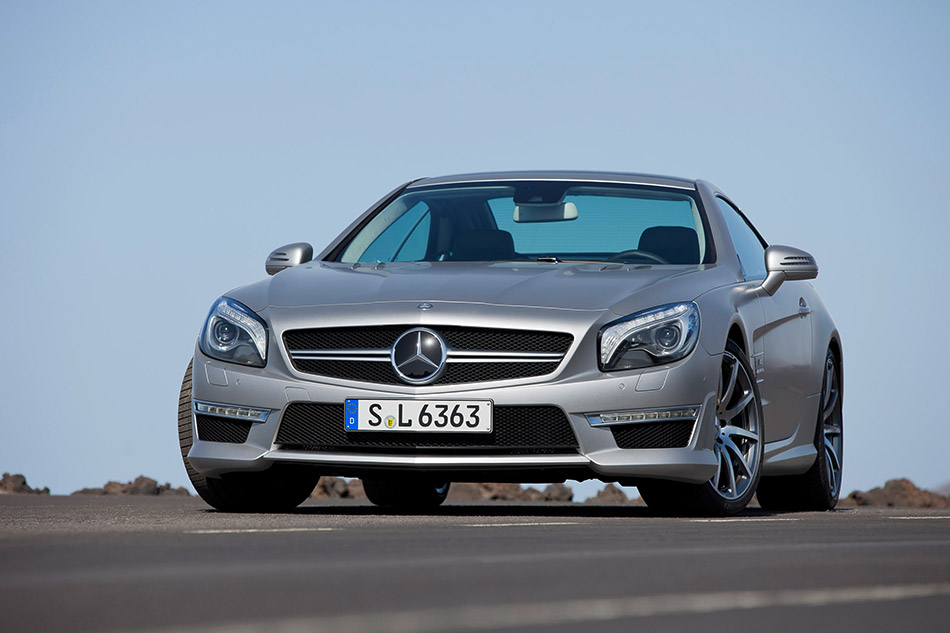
(172, 564)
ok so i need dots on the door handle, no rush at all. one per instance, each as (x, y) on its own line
(803, 309)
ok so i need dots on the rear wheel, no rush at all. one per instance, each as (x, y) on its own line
(411, 493)
(738, 449)
(278, 489)
(819, 488)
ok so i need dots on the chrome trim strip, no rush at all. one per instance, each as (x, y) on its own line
(567, 178)
(487, 353)
(502, 359)
(342, 352)
(360, 359)
(456, 356)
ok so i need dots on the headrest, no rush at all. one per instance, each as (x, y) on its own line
(483, 245)
(675, 244)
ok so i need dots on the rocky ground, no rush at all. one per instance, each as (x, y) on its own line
(16, 484)
(141, 486)
(898, 493)
(336, 488)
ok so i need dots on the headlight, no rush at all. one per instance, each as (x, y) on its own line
(652, 337)
(233, 333)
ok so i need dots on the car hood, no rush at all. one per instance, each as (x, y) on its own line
(529, 284)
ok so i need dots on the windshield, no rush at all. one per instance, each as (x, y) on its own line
(545, 221)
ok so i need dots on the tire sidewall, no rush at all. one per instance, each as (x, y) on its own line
(831, 498)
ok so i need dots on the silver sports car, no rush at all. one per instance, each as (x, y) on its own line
(525, 327)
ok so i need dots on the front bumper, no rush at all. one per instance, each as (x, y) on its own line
(581, 395)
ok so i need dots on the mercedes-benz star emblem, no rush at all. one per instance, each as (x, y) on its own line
(419, 356)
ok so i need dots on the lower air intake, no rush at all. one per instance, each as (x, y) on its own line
(215, 429)
(541, 430)
(653, 434)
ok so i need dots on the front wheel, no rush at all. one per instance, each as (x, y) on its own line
(410, 493)
(279, 489)
(817, 489)
(738, 449)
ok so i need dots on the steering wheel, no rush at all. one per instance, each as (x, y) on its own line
(634, 252)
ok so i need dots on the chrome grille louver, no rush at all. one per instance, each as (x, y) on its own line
(473, 355)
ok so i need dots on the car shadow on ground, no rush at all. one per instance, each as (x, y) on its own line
(511, 510)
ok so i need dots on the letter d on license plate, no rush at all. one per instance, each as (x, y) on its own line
(430, 416)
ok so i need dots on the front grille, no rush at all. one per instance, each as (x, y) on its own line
(455, 373)
(653, 434)
(384, 337)
(330, 352)
(214, 429)
(541, 430)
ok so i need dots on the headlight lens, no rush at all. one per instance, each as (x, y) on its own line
(234, 334)
(652, 337)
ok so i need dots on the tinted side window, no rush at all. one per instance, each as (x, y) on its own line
(748, 246)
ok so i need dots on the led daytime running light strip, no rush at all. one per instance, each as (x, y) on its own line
(619, 417)
(229, 411)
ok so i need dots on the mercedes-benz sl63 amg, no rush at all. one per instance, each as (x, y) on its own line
(525, 327)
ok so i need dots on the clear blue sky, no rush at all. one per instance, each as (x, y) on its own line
(152, 154)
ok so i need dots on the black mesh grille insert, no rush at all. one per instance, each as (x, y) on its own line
(215, 429)
(457, 338)
(653, 434)
(516, 431)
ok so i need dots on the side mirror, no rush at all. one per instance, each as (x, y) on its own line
(288, 256)
(785, 263)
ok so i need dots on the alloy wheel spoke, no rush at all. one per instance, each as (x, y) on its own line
(830, 406)
(832, 455)
(730, 472)
(718, 468)
(732, 448)
(733, 431)
(832, 431)
(829, 382)
(730, 385)
(831, 476)
(742, 404)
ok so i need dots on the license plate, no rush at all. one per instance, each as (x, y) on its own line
(430, 416)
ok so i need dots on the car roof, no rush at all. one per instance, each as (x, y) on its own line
(575, 176)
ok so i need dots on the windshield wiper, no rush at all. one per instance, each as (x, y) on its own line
(548, 259)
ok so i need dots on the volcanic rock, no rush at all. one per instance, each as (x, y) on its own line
(145, 486)
(463, 492)
(16, 484)
(559, 493)
(611, 494)
(897, 493)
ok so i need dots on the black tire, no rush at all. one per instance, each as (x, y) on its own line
(408, 493)
(716, 497)
(819, 488)
(278, 489)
